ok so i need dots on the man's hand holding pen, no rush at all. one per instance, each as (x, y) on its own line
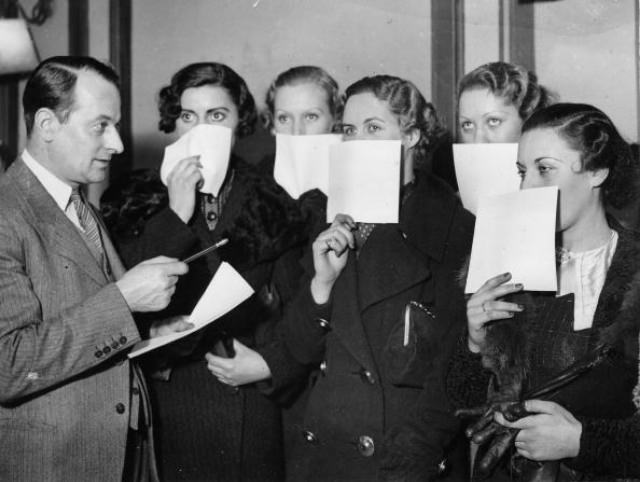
(148, 286)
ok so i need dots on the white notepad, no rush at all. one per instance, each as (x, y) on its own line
(226, 290)
(364, 181)
(485, 170)
(515, 233)
(302, 162)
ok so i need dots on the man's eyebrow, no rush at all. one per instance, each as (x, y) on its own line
(218, 108)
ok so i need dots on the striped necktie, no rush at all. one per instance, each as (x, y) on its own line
(87, 221)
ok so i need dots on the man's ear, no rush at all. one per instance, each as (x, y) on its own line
(411, 138)
(46, 123)
(597, 177)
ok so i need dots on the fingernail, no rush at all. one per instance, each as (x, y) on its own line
(521, 307)
(506, 275)
(519, 286)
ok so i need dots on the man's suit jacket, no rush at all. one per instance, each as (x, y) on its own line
(64, 330)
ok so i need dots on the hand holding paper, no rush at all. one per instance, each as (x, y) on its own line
(485, 170)
(364, 181)
(515, 233)
(213, 146)
(226, 290)
(302, 162)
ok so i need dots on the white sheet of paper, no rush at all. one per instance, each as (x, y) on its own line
(212, 144)
(364, 181)
(484, 170)
(515, 233)
(302, 162)
(226, 290)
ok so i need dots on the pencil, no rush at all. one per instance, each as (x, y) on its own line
(199, 254)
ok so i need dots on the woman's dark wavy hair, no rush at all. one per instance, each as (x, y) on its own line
(517, 85)
(591, 132)
(410, 108)
(207, 73)
(304, 74)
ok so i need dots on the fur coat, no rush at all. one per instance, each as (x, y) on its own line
(525, 355)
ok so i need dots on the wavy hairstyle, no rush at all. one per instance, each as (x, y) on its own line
(303, 74)
(517, 85)
(591, 132)
(207, 73)
(410, 108)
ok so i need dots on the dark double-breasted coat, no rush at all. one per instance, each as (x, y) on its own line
(369, 379)
(207, 430)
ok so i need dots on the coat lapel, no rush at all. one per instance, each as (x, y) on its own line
(394, 259)
(54, 225)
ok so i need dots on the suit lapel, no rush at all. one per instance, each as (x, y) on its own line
(54, 225)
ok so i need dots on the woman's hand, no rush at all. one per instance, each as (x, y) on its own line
(330, 254)
(182, 182)
(484, 306)
(552, 433)
(247, 366)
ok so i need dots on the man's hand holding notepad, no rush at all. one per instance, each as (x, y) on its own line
(226, 290)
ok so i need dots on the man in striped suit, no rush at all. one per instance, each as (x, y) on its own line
(70, 404)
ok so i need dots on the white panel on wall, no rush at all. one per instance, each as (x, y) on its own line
(260, 38)
(585, 51)
(481, 32)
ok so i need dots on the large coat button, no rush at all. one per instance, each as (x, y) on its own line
(324, 324)
(120, 408)
(310, 437)
(366, 446)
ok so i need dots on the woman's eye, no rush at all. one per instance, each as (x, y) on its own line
(373, 128)
(494, 122)
(312, 117)
(348, 131)
(521, 173)
(282, 119)
(542, 169)
(466, 126)
(186, 116)
(216, 116)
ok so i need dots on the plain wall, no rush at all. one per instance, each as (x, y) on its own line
(586, 52)
(259, 39)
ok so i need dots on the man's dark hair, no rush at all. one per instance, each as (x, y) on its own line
(52, 84)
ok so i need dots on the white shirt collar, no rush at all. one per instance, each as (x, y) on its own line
(59, 190)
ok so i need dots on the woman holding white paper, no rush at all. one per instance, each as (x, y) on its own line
(552, 374)
(372, 287)
(494, 100)
(205, 429)
(301, 101)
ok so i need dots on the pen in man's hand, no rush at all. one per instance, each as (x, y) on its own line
(199, 254)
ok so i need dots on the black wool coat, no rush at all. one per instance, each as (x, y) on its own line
(369, 379)
(206, 430)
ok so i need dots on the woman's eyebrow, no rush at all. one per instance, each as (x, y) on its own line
(369, 119)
